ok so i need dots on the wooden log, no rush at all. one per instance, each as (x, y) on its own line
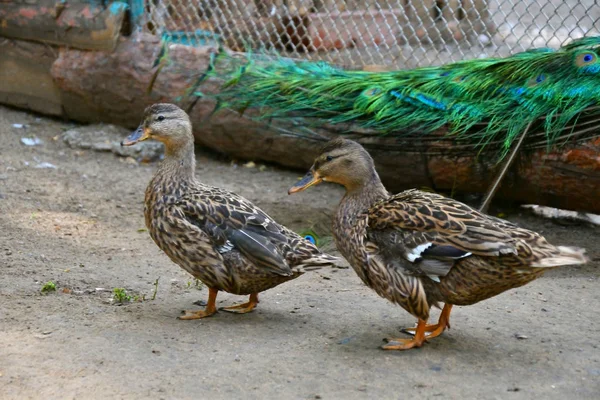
(84, 26)
(25, 79)
(112, 87)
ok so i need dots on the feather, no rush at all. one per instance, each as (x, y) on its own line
(482, 102)
(260, 251)
(311, 236)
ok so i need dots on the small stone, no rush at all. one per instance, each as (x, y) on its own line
(521, 337)
(131, 161)
(250, 164)
(31, 141)
(40, 336)
(237, 358)
(45, 165)
(345, 340)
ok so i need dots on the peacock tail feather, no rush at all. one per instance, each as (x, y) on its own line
(311, 236)
(482, 101)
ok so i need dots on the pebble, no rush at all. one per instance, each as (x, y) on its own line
(45, 165)
(521, 337)
(345, 340)
(31, 141)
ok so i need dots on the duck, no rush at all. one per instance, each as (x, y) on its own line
(219, 237)
(420, 249)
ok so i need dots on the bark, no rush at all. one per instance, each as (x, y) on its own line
(85, 25)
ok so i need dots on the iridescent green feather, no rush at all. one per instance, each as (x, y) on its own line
(480, 101)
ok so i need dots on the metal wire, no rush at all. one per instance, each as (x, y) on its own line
(376, 34)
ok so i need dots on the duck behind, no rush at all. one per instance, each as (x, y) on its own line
(418, 249)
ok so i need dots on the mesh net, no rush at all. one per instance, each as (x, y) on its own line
(375, 34)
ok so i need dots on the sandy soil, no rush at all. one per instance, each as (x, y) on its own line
(80, 225)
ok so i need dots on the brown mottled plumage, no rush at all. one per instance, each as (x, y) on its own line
(217, 236)
(418, 249)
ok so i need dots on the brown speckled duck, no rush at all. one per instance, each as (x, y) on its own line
(220, 238)
(418, 249)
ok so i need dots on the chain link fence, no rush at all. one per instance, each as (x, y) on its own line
(376, 34)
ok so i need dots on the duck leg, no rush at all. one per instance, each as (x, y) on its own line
(209, 310)
(437, 329)
(245, 307)
(405, 344)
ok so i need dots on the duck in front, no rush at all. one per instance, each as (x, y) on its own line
(219, 237)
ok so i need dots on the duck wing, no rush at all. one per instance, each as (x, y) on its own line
(431, 231)
(233, 222)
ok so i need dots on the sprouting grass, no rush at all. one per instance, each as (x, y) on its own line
(120, 295)
(155, 288)
(197, 284)
(49, 287)
(138, 298)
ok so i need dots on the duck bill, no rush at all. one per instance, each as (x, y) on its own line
(139, 135)
(310, 179)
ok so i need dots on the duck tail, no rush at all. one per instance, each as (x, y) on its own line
(565, 255)
(318, 261)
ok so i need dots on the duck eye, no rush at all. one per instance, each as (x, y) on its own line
(160, 118)
(328, 158)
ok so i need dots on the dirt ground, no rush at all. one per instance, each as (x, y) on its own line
(80, 225)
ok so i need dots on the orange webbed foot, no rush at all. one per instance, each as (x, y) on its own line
(209, 310)
(244, 308)
(190, 314)
(402, 344)
(434, 330)
(406, 344)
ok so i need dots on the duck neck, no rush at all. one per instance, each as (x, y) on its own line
(362, 196)
(370, 189)
(179, 162)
